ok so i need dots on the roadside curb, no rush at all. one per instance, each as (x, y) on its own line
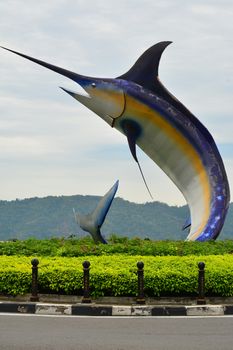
(114, 310)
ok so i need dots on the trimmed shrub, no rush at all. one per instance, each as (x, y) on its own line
(117, 245)
(116, 275)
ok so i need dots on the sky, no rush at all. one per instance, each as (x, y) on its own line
(50, 144)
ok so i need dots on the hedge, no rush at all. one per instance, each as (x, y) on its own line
(117, 245)
(117, 275)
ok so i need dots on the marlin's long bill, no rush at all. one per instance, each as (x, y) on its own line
(78, 78)
(140, 107)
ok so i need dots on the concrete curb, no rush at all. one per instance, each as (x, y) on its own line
(114, 310)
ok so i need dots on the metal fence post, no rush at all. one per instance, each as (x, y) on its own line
(34, 296)
(201, 284)
(86, 282)
(140, 297)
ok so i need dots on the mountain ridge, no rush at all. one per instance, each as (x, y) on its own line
(52, 216)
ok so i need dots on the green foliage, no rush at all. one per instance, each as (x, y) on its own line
(116, 275)
(117, 245)
(15, 275)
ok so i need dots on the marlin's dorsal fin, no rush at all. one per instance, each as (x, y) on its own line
(145, 71)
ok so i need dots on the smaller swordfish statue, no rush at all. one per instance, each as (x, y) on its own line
(92, 222)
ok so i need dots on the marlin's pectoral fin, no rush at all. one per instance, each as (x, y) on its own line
(132, 131)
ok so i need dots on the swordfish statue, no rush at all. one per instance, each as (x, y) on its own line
(139, 106)
(92, 222)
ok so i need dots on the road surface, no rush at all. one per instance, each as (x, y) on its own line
(34, 332)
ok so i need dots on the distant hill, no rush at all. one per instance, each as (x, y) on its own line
(53, 217)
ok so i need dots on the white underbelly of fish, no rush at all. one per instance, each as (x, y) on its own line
(178, 164)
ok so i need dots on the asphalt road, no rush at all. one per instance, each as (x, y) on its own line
(24, 332)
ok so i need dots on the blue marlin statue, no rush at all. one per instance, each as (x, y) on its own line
(92, 222)
(139, 106)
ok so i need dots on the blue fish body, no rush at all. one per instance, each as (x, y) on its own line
(208, 199)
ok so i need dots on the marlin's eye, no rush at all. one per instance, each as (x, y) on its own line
(93, 85)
